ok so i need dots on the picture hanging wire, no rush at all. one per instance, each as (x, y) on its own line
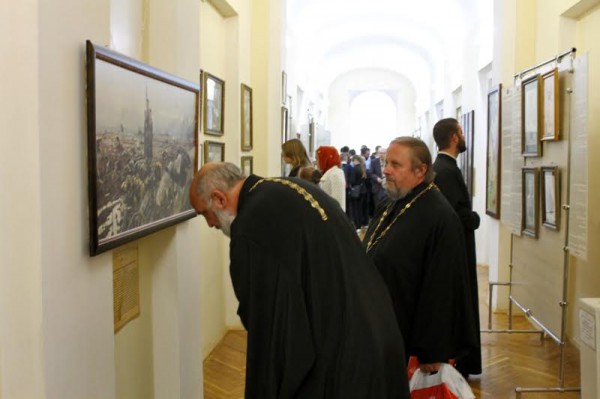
(556, 59)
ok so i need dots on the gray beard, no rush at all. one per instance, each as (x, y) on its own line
(395, 193)
(225, 220)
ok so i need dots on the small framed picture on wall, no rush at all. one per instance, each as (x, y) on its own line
(551, 197)
(531, 127)
(214, 104)
(530, 201)
(214, 151)
(493, 160)
(246, 165)
(550, 106)
(246, 117)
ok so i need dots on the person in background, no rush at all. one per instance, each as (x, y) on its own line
(365, 152)
(333, 181)
(348, 174)
(450, 141)
(417, 245)
(376, 176)
(358, 193)
(320, 321)
(294, 154)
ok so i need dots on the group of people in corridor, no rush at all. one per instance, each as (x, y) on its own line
(329, 316)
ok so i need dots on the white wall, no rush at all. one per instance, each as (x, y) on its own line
(56, 313)
(21, 354)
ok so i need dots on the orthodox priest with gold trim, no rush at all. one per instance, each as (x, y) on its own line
(416, 243)
(320, 321)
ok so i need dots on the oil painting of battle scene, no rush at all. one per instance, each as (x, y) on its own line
(145, 150)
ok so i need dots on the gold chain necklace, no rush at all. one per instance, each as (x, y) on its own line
(372, 243)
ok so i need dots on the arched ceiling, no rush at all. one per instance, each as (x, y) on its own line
(421, 40)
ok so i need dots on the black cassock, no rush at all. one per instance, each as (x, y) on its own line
(319, 319)
(422, 259)
(450, 181)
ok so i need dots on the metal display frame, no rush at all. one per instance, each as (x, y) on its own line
(560, 340)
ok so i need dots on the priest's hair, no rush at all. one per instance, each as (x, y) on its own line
(420, 154)
(220, 176)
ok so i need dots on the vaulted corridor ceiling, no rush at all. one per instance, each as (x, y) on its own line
(424, 41)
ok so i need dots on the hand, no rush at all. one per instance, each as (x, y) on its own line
(430, 367)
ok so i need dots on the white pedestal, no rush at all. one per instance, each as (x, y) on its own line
(589, 334)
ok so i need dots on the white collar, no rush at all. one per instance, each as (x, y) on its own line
(446, 153)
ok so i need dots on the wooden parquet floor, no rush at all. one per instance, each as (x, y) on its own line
(509, 361)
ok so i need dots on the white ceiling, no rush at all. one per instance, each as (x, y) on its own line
(422, 40)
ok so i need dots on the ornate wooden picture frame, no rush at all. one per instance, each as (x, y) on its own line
(142, 128)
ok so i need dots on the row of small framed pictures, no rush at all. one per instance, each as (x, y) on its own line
(540, 121)
(214, 151)
(550, 201)
(214, 109)
(540, 112)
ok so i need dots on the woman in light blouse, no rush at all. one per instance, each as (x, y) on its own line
(333, 181)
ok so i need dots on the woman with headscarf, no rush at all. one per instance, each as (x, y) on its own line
(333, 181)
(294, 154)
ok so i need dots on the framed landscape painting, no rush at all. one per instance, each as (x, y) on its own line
(493, 158)
(142, 148)
(214, 104)
(531, 122)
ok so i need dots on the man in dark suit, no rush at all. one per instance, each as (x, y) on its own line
(376, 176)
(449, 138)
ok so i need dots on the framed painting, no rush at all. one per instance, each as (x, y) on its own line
(550, 106)
(214, 104)
(550, 197)
(283, 87)
(531, 122)
(312, 138)
(284, 124)
(493, 155)
(530, 201)
(246, 117)
(142, 126)
(246, 165)
(467, 121)
(214, 151)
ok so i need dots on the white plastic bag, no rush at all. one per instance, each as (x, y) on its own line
(447, 383)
